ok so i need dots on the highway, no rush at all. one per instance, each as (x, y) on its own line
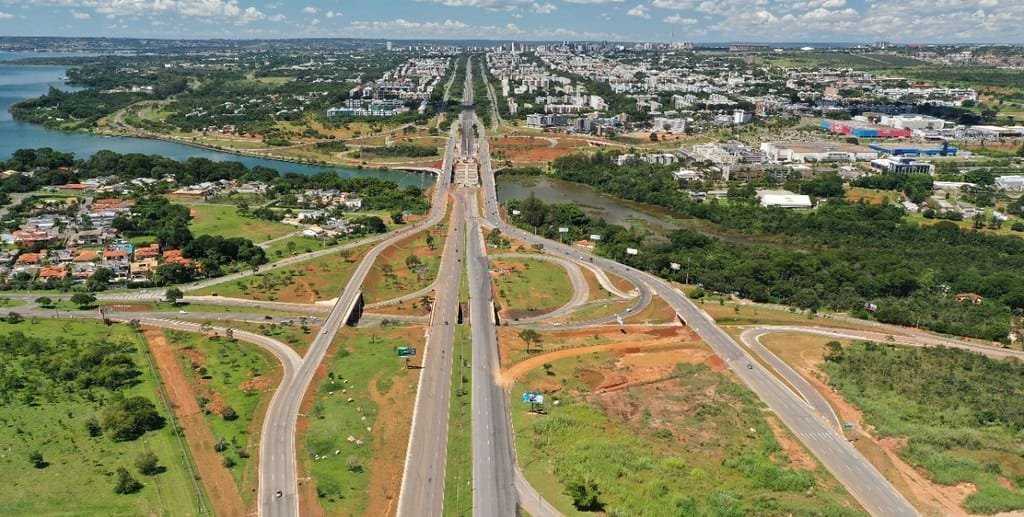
(850, 468)
(422, 492)
(278, 465)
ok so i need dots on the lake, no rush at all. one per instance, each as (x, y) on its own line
(611, 209)
(20, 82)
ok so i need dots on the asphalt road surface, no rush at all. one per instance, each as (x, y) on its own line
(860, 478)
(278, 467)
(422, 492)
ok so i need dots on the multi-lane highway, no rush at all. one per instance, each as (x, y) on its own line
(422, 492)
(860, 478)
(278, 486)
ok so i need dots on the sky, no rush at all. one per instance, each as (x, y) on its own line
(902, 21)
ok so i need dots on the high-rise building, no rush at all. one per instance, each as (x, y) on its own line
(388, 45)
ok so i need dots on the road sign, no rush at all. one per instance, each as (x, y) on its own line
(516, 212)
(595, 237)
(563, 229)
(674, 266)
(632, 251)
(405, 351)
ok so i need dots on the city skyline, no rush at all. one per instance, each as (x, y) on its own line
(822, 21)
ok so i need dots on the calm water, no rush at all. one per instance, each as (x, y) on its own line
(594, 203)
(20, 82)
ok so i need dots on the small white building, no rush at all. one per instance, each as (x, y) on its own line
(1013, 182)
(784, 199)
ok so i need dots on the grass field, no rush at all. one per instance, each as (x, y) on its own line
(292, 246)
(458, 482)
(406, 267)
(958, 412)
(528, 287)
(229, 374)
(368, 394)
(693, 443)
(224, 220)
(321, 278)
(297, 335)
(79, 477)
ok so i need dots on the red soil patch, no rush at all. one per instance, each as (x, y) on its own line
(652, 356)
(715, 363)
(256, 384)
(220, 486)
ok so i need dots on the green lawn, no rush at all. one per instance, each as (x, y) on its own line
(685, 448)
(531, 286)
(222, 368)
(364, 365)
(321, 278)
(224, 220)
(79, 477)
(458, 484)
(293, 246)
(406, 267)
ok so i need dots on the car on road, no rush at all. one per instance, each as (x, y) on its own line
(278, 494)
(267, 317)
(750, 366)
(183, 311)
(324, 331)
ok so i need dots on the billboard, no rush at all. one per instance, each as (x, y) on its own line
(632, 251)
(563, 229)
(533, 398)
(595, 237)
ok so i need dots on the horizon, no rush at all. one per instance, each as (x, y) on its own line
(663, 21)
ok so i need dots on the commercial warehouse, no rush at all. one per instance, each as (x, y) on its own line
(864, 129)
(915, 149)
(816, 152)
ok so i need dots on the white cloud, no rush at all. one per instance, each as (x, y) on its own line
(640, 11)
(540, 8)
(332, 14)
(494, 5)
(676, 19)
(80, 15)
(5, 16)
(226, 10)
(310, 10)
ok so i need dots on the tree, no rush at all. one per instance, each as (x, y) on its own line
(530, 336)
(125, 483)
(92, 426)
(83, 300)
(14, 317)
(148, 464)
(173, 295)
(398, 217)
(44, 301)
(585, 493)
(37, 461)
(131, 418)
(229, 414)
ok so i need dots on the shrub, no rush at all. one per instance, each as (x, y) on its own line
(125, 483)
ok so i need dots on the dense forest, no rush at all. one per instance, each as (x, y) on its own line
(842, 256)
